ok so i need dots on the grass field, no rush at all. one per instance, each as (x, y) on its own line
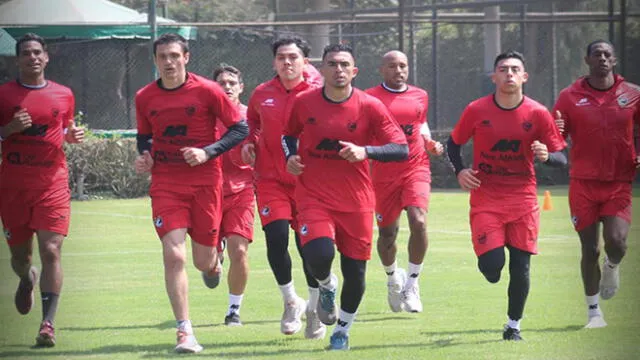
(114, 305)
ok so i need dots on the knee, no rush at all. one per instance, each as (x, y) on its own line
(318, 252)
(417, 220)
(491, 263)
(616, 241)
(492, 275)
(590, 251)
(50, 252)
(174, 258)
(237, 252)
(387, 235)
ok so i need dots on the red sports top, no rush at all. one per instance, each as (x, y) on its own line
(409, 108)
(328, 180)
(236, 175)
(600, 124)
(34, 159)
(183, 117)
(266, 119)
(502, 150)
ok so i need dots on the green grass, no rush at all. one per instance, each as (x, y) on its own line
(114, 305)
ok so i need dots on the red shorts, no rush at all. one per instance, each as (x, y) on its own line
(352, 232)
(238, 212)
(393, 197)
(275, 202)
(195, 208)
(590, 200)
(26, 211)
(493, 230)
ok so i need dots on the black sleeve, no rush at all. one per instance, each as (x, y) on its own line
(290, 146)
(454, 155)
(388, 152)
(234, 136)
(143, 141)
(556, 159)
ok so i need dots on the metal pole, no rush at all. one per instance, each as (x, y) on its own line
(401, 25)
(622, 51)
(492, 46)
(412, 45)
(434, 68)
(154, 29)
(612, 27)
(523, 28)
(554, 57)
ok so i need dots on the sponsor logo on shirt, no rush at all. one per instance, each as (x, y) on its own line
(158, 222)
(175, 130)
(36, 130)
(269, 102)
(505, 145)
(583, 102)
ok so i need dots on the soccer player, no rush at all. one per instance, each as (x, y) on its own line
(509, 131)
(598, 112)
(274, 186)
(409, 187)
(177, 116)
(238, 202)
(36, 116)
(334, 192)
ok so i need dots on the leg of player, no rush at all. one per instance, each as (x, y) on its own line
(590, 270)
(519, 283)
(21, 263)
(353, 273)
(237, 247)
(418, 244)
(277, 237)
(615, 231)
(319, 254)
(176, 282)
(314, 329)
(396, 277)
(50, 245)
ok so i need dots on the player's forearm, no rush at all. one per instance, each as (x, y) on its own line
(143, 142)
(556, 159)
(289, 146)
(388, 152)
(234, 136)
(455, 156)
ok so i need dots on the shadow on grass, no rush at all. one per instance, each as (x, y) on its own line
(169, 324)
(569, 328)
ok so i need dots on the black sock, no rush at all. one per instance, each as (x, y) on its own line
(49, 306)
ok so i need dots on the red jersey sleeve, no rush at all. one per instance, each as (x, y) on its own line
(549, 133)
(385, 128)
(464, 129)
(224, 109)
(253, 119)
(144, 127)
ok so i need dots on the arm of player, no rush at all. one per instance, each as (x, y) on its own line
(466, 177)
(290, 148)
(20, 121)
(433, 147)
(384, 153)
(554, 159)
(234, 136)
(144, 162)
(73, 134)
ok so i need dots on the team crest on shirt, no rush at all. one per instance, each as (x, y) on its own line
(7, 234)
(352, 126)
(527, 125)
(158, 222)
(485, 123)
(55, 112)
(304, 230)
(379, 217)
(265, 211)
(623, 101)
(190, 110)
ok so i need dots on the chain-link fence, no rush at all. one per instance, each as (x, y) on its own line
(446, 50)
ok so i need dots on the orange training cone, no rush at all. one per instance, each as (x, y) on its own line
(547, 204)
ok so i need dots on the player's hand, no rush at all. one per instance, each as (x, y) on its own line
(21, 120)
(74, 134)
(434, 147)
(540, 151)
(144, 163)
(468, 180)
(638, 162)
(295, 165)
(249, 154)
(559, 121)
(352, 152)
(194, 156)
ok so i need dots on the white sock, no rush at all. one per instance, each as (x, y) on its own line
(514, 324)
(314, 295)
(608, 263)
(593, 306)
(391, 269)
(330, 282)
(288, 291)
(412, 276)
(345, 320)
(235, 301)
(185, 325)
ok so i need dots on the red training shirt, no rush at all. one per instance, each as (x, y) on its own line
(236, 175)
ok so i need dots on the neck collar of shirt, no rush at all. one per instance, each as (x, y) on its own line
(386, 87)
(161, 86)
(32, 87)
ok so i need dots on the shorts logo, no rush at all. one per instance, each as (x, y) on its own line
(265, 211)
(304, 230)
(7, 234)
(623, 101)
(158, 222)
(379, 217)
(574, 220)
(482, 239)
